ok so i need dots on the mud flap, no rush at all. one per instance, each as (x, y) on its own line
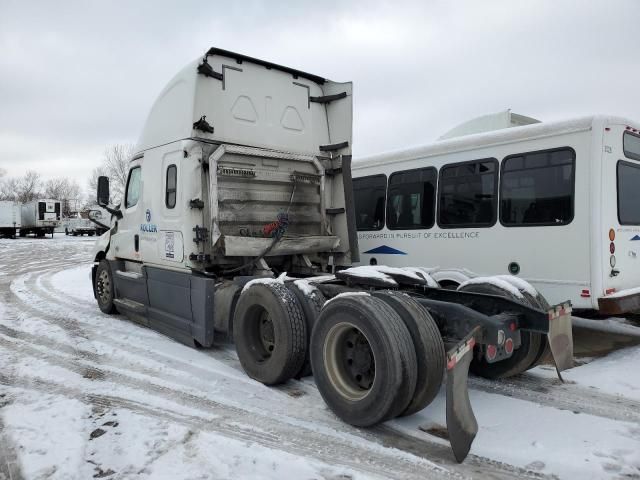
(461, 421)
(561, 336)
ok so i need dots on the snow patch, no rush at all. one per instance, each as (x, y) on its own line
(305, 287)
(265, 281)
(423, 273)
(496, 282)
(520, 284)
(348, 294)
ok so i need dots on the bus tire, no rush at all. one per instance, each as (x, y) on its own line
(270, 333)
(363, 359)
(105, 288)
(311, 302)
(428, 345)
(522, 358)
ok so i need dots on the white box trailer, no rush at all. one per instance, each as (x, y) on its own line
(243, 173)
(556, 204)
(9, 218)
(40, 217)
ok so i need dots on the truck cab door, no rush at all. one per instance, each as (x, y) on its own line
(126, 240)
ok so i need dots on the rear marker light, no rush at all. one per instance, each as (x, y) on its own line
(612, 235)
(492, 351)
(612, 248)
(508, 346)
(609, 291)
(585, 293)
(612, 261)
(512, 326)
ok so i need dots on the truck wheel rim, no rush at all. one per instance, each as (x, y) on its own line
(260, 333)
(349, 361)
(104, 287)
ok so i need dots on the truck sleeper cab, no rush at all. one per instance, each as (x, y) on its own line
(236, 222)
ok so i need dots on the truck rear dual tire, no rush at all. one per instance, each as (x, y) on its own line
(428, 346)
(531, 348)
(270, 332)
(363, 359)
(311, 300)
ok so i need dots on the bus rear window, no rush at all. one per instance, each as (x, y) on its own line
(369, 196)
(631, 144)
(537, 188)
(628, 193)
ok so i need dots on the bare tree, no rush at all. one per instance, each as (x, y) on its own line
(115, 165)
(65, 190)
(9, 189)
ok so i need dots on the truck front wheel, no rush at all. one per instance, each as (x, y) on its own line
(104, 288)
(270, 332)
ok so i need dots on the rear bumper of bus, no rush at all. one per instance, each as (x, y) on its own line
(621, 303)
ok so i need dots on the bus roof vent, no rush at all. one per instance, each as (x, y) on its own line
(489, 123)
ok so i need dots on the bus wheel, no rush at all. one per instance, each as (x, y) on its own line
(522, 358)
(104, 288)
(66, 231)
(270, 333)
(428, 345)
(363, 359)
(311, 300)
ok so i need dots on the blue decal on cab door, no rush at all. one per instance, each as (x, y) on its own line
(385, 249)
(637, 237)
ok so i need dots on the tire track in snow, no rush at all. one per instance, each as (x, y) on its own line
(563, 396)
(379, 437)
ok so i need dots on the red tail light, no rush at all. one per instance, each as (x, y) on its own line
(585, 293)
(492, 351)
(508, 346)
(612, 248)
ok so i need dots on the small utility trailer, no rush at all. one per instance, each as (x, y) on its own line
(237, 222)
(9, 219)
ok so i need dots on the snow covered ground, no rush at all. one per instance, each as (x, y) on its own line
(86, 395)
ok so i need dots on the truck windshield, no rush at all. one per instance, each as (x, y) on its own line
(631, 145)
(628, 193)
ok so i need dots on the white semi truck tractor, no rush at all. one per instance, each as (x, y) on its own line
(237, 222)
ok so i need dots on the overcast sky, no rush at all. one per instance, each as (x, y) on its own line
(76, 76)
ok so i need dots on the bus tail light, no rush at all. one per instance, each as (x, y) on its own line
(492, 351)
(609, 291)
(585, 293)
(612, 248)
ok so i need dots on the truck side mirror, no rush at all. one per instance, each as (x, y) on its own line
(103, 191)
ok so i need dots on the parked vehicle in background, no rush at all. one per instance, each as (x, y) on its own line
(40, 217)
(100, 219)
(556, 204)
(9, 219)
(76, 225)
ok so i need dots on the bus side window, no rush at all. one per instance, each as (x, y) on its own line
(369, 196)
(468, 194)
(537, 188)
(412, 198)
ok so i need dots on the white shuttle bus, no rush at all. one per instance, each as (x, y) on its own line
(556, 204)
